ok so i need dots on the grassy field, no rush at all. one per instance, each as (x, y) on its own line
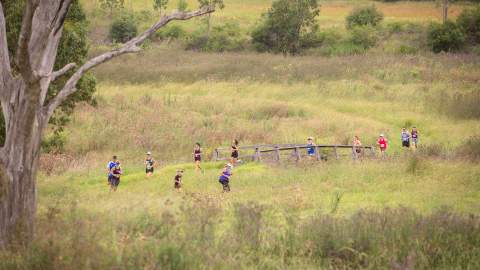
(413, 208)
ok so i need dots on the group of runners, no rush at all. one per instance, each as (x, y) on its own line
(114, 168)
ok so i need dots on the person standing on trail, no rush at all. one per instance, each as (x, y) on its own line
(224, 178)
(116, 173)
(357, 144)
(197, 156)
(110, 166)
(178, 180)
(149, 164)
(405, 138)
(310, 147)
(382, 143)
(414, 134)
(234, 155)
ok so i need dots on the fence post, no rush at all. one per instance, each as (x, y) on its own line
(317, 153)
(335, 151)
(277, 153)
(215, 154)
(354, 152)
(297, 154)
(256, 157)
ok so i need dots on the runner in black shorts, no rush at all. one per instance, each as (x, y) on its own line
(149, 164)
(178, 180)
(116, 173)
(197, 156)
(234, 156)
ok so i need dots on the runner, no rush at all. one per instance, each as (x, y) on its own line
(311, 147)
(116, 173)
(234, 156)
(405, 138)
(414, 137)
(149, 164)
(225, 177)
(178, 180)
(357, 144)
(110, 165)
(382, 143)
(197, 156)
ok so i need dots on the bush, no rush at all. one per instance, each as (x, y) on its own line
(226, 37)
(364, 16)
(123, 28)
(363, 36)
(445, 37)
(341, 48)
(171, 32)
(469, 21)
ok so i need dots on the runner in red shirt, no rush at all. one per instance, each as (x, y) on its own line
(382, 143)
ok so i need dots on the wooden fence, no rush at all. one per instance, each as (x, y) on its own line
(275, 152)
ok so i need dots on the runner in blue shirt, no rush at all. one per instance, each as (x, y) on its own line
(311, 148)
(405, 138)
(224, 178)
(112, 163)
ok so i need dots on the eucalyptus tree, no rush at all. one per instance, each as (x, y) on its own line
(25, 77)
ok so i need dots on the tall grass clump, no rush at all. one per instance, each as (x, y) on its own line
(470, 149)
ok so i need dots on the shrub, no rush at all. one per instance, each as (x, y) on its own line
(469, 21)
(445, 37)
(226, 37)
(341, 48)
(123, 28)
(363, 36)
(283, 27)
(364, 16)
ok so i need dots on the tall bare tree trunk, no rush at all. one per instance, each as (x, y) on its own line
(445, 11)
(18, 167)
(26, 110)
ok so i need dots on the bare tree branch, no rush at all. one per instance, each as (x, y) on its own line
(62, 71)
(130, 46)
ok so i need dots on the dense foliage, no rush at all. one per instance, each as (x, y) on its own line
(123, 28)
(283, 27)
(446, 37)
(469, 21)
(73, 47)
(364, 16)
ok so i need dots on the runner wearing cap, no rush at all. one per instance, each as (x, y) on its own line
(382, 143)
(311, 147)
(224, 178)
(149, 164)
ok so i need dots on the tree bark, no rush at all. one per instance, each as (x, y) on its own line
(23, 96)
